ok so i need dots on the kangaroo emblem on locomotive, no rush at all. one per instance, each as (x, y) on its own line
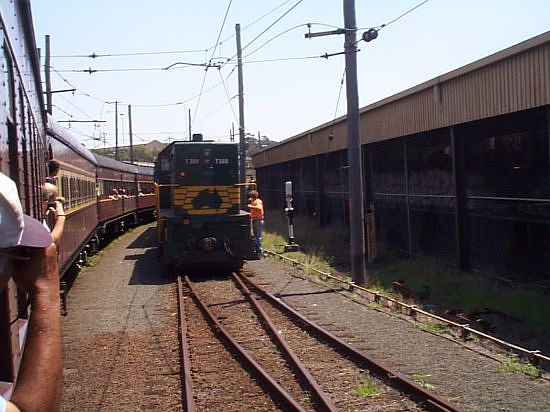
(207, 199)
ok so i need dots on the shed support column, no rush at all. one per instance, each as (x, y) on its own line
(548, 134)
(318, 189)
(407, 199)
(461, 210)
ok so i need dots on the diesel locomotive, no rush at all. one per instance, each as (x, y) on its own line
(200, 225)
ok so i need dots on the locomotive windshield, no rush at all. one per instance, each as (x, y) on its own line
(205, 164)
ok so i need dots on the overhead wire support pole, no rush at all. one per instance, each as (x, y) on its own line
(116, 130)
(47, 75)
(130, 132)
(355, 178)
(355, 167)
(242, 144)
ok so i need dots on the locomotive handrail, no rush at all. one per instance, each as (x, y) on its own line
(157, 203)
(253, 184)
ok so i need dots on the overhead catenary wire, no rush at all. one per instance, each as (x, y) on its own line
(398, 17)
(95, 55)
(230, 99)
(213, 52)
(150, 53)
(266, 29)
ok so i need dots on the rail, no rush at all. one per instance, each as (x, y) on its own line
(398, 379)
(534, 356)
(281, 394)
(325, 403)
(188, 399)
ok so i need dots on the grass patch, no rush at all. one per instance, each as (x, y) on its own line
(367, 389)
(515, 365)
(523, 307)
(422, 380)
(313, 259)
(374, 306)
(433, 327)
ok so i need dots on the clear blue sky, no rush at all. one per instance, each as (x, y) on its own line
(283, 97)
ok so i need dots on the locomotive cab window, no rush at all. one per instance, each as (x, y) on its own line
(214, 165)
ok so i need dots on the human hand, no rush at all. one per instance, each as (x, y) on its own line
(39, 273)
(59, 206)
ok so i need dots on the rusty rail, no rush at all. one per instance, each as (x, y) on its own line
(324, 401)
(188, 400)
(407, 385)
(282, 395)
(536, 357)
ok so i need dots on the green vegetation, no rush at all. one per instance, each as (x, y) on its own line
(314, 259)
(515, 365)
(509, 304)
(433, 327)
(422, 380)
(142, 152)
(367, 388)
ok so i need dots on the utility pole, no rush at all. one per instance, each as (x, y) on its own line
(116, 130)
(48, 76)
(189, 123)
(242, 144)
(355, 170)
(130, 131)
(355, 177)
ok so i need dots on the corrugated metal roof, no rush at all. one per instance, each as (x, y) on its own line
(514, 79)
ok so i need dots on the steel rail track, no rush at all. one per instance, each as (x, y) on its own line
(188, 401)
(324, 402)
(281, 394)
(535, 357)
(397, 379)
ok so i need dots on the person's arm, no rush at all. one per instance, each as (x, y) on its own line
(38, 386)
(59, 225)
(251, 206)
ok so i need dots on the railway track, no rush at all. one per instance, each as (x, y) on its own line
(243, 349)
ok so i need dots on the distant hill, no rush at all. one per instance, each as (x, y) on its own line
(142, 152)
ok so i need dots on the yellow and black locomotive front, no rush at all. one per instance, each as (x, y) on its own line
(200, 224)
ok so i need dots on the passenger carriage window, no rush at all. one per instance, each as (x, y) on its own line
(65, 191)
(72, 186)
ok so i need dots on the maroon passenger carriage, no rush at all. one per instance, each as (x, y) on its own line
(28, 140)
(76, 182)
(22, 158)
(146, 199)
(125, 195)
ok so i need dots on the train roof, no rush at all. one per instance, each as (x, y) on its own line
(144, 169)
(189, 142)
(108, 163)
(65, 136)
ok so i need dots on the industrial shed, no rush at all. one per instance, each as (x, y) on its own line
(456, 168)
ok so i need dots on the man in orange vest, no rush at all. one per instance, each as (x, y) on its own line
(256, 207)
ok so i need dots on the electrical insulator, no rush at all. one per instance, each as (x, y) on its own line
(370, 34)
